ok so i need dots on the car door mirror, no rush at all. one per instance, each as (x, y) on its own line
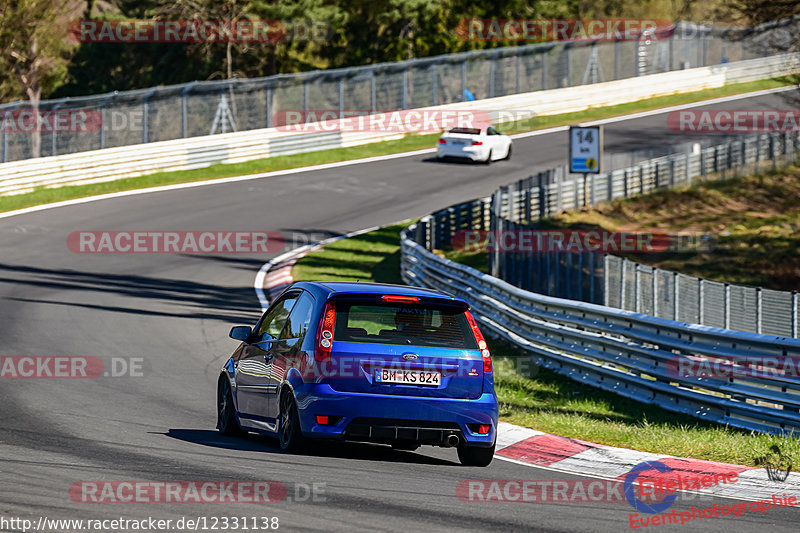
(240, 333)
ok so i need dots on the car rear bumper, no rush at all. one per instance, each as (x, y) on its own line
(384, 418)
(461, 153)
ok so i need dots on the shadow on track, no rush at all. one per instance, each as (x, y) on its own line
(337, 449)
(205, 301)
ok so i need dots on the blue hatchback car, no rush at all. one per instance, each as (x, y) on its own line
(370, 362)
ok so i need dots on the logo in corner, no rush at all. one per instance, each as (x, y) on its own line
(630, 495)
(410, 356)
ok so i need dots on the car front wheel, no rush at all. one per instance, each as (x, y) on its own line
(475, 456)
(226, 411)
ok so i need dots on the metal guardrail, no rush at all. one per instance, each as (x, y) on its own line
(200, 108)
(616, 350)
(622, 283)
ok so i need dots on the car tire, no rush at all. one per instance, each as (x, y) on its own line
(226, 411)
(290, 436)
(508, 154)
(488, 158)
(475, 456)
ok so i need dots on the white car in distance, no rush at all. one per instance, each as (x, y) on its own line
(476, 144)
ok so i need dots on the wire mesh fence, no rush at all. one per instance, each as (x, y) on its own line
(203, 108)
(556, 267)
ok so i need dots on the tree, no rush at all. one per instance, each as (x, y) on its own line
(34, 49)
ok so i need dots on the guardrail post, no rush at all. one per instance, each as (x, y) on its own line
(758, 309)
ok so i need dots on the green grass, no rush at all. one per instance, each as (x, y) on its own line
(541, 399)
(408, 143)
(373, 256)
(753, 223)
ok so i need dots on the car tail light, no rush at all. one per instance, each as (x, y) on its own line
(322, 420)
(391, 298)
(487, 357)
(483, 429)
(442, 141)
(325, 334)
(477, 143)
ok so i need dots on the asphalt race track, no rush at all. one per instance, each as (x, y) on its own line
(171, 314)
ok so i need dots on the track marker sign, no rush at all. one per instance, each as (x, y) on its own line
(585, 149)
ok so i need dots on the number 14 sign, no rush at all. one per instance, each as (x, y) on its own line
(585, 149)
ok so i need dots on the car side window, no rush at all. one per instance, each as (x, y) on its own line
(273, 321)
(491, 131)
(300, 318)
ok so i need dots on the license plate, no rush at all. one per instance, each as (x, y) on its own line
(460, 143)
(408, 377)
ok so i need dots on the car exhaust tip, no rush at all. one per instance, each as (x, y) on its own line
(452, 441)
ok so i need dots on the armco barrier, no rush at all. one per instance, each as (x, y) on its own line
(197, 152)
(620, 351)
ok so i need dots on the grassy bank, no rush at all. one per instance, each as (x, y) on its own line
(410, 142)
(543, 400)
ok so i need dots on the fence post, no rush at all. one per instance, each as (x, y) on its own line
(794, 314)
(727, 306)
(700, 301)
(372, 93)
(518, 62)
(675, 293)
(340, 87)
(491, 76)
(433, 84)
(654, 276)
(758, 309)
(184, 120)
(145, 121)
(558, 192)
(463, 78)
(543, 211)
(404, 89)
(622, 283)
(544, 70)
(636, 288)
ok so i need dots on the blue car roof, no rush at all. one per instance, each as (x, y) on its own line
(349, 287)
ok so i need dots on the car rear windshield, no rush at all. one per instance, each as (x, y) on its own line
(406, 324)
(467, 131)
